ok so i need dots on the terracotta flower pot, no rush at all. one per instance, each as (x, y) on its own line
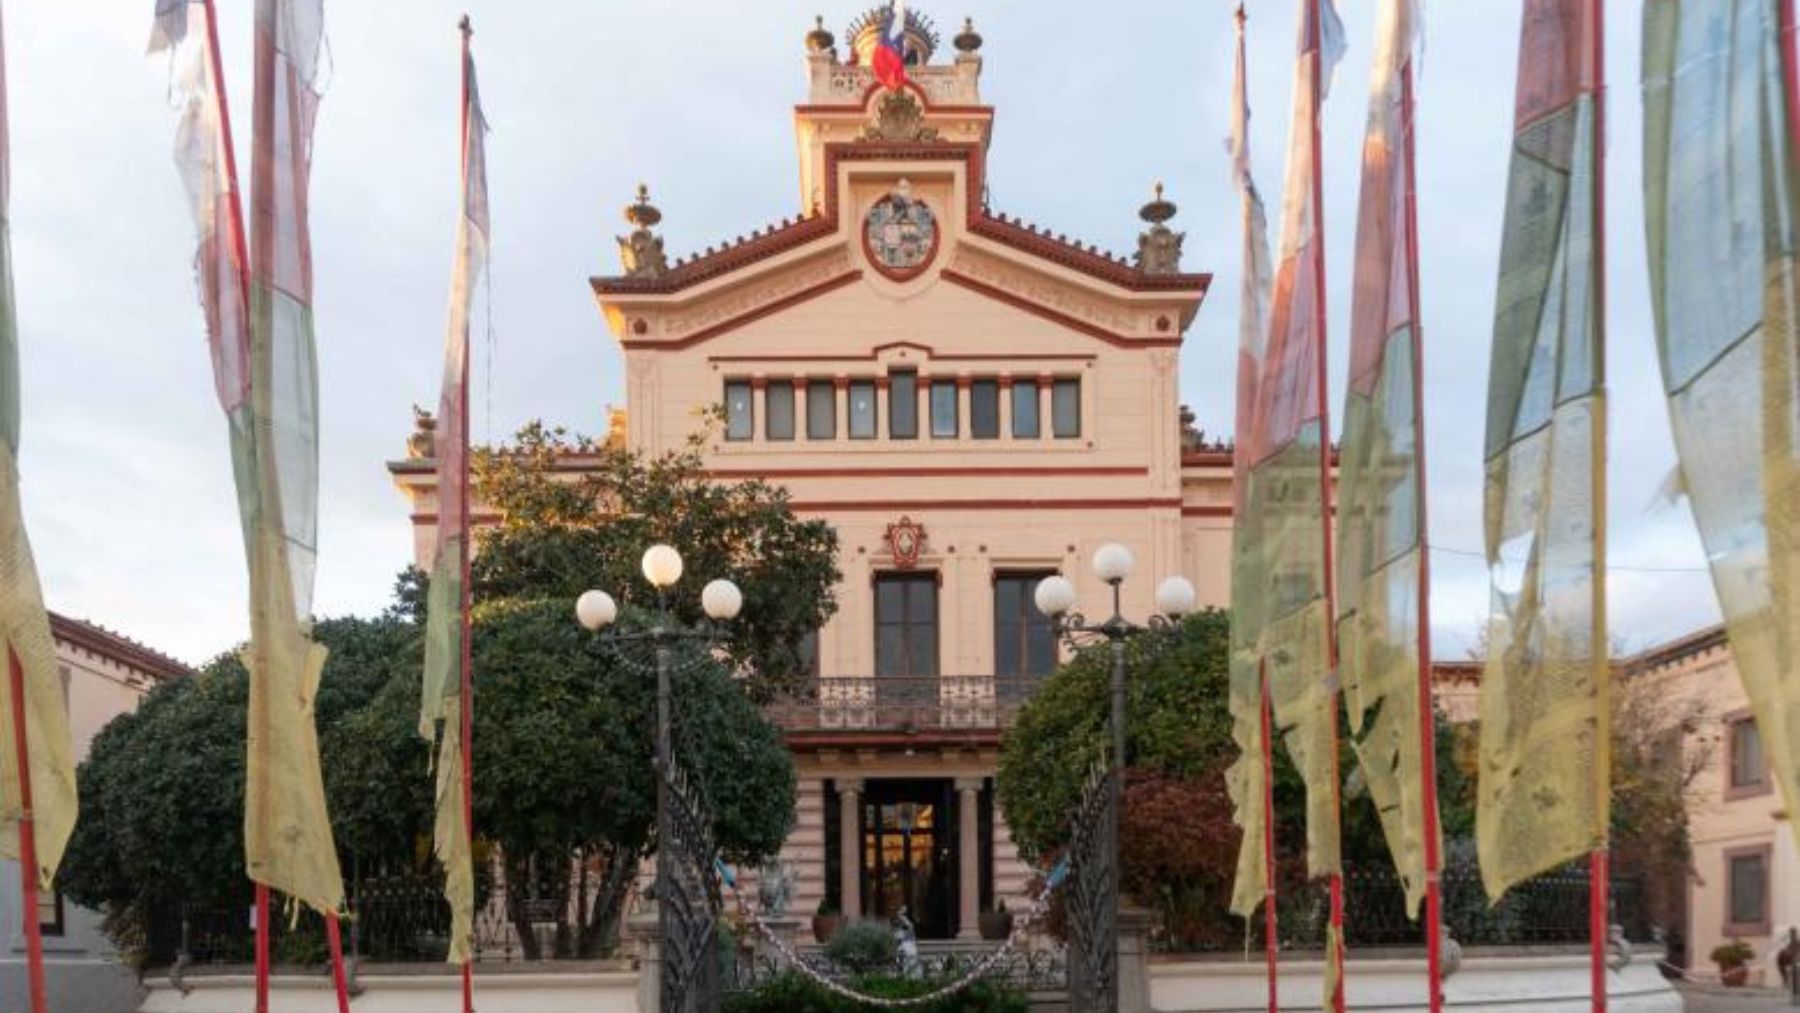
(1735, 975)
(826, 926)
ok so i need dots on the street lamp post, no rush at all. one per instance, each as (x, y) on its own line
(1094, 843)
(685, 916)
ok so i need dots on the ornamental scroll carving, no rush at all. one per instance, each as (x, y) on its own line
(899, 117)
(750, 297)
(1042, 291)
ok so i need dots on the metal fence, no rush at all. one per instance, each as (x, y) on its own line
(903, 703)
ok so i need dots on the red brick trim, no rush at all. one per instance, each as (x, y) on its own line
(931, 356)
(930, 472)
(899, 506)
(1207, 511)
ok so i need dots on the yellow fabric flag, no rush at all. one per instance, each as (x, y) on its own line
(24, 625)
(1544, 763)
(1721, 194)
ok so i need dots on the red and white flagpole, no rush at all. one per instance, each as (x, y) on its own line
(1316, 42)
(28, 864)
(1599, 864)
(1271, 940)
(466, 709)
(1434, 861)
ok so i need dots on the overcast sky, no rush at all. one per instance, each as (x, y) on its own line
(126, 471)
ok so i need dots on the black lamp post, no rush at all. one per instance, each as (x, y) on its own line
(1094, 844)
(685, 915)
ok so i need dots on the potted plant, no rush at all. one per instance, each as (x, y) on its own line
(1733, 959)
(996, 922)
(826, 922)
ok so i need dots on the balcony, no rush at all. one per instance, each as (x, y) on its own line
(903, 703)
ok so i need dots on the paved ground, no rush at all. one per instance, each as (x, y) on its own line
(1712, 999)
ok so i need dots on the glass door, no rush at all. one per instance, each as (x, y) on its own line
(910, 854)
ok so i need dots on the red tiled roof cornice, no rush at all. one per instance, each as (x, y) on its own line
(116, 647)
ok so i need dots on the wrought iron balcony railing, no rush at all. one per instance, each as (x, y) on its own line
(904, 703)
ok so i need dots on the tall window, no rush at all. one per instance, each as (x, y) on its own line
(1025, 410)
(906, 624)
(778, 410)
(1065, 409)
(862, 409)
(1747, 892)
(903, 406)
(1024, 642)
(821, 410)
(1748, 773)
(740, 415)
(944, 412)
(984, 409)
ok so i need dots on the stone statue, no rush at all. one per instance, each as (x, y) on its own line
(642, 251)
(775, 887)
(908, 941)
(422, 444)
(1159, 249)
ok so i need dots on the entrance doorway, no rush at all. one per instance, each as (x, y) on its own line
(910, 854)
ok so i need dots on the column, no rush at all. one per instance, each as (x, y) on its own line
(968, 824)
(850, 846)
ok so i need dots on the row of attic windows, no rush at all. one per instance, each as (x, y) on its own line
(945, 408)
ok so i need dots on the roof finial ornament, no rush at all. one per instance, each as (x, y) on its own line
(968, 40)
(1159, 249)
(820, 39)
(642, 251)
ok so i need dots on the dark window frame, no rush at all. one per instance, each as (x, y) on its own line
(979, 427)
(910, 400)
(770, 432)
(874, 416)
(910, 578)
(823, 392)
(1022, 626)
(1019, 390)
(1057, 429)
(949, 387)
(1737, 725)
(748, 433)
(1764, 856)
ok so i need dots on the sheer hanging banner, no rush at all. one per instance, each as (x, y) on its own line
(1543, 691)
(441, 702)
(265, 371)
(24, 625)
(1246, 777)
(1720, 194)
(1380, 540)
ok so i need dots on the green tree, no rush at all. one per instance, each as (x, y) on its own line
(577, 515)
(563, 733)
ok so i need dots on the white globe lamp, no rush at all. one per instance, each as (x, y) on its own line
(596, 610)
(1112, 562)
(1054, 595)
(662, 566)
(1175, 597)
(722, 601)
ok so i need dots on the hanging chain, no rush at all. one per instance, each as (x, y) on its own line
(976, 972)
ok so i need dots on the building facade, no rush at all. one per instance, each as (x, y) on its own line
(104, 674)
(972, 403)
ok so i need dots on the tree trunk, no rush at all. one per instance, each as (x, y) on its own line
(600, 936)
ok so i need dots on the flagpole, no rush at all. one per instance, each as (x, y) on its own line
(1316, 43)
(28, 864)
(1599, 863)
(1271, 942)
(1434, 863)
(241, 253)
(467, 689)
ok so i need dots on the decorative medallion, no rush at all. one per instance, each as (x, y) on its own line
(900, 234)
(905, 541)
